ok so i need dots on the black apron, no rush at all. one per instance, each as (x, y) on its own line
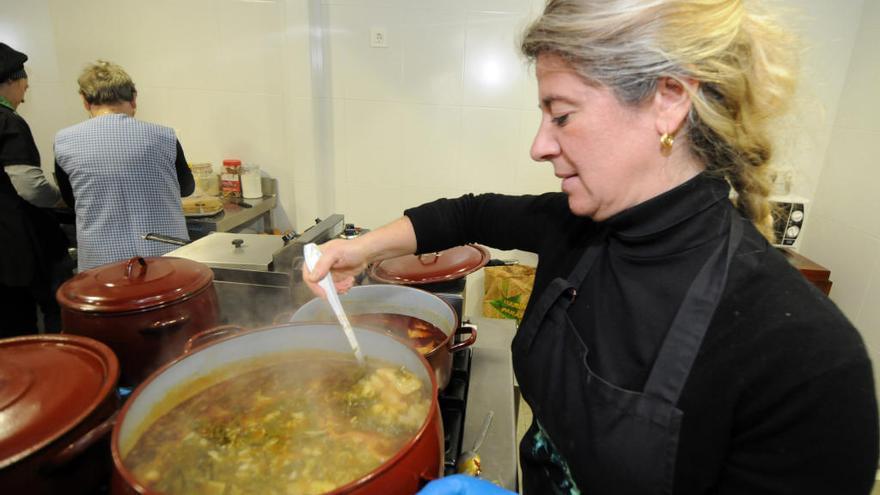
(588, 435)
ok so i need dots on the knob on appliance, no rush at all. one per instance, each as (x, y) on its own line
(350, 231)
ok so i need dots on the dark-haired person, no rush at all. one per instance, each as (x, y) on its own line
(123, 177)
(32, 245)
(667, 347)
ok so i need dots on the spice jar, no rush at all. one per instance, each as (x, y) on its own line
(230, 181)
(251, 182)
(207, 182)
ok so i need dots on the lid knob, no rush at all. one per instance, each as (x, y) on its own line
(237, 242)
(130, 266)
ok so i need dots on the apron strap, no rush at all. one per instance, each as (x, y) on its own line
(586, 262)
(680, 348)
(557, 288)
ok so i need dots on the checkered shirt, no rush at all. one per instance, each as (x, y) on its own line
(125, 184)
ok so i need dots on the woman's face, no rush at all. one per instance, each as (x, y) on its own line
(605, 152)
(17, 89)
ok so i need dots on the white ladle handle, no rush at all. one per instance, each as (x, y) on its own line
(312, 254)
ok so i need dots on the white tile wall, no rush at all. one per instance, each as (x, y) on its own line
(843, 194)
(431, 146)
(439, 112)
(490, 155)
(494, 73)
(844, 231)
(828, 33)
(433, 58)
(850, 263)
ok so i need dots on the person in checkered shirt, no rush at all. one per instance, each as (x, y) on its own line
(124, 177)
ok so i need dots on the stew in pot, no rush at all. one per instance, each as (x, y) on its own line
(305, 422)
(421, 335)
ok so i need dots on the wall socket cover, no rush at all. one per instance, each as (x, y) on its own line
(378, 37)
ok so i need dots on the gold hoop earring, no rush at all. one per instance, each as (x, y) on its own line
(666, 142)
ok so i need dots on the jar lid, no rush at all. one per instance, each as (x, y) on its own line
(201, 167)
(442, 266)
(231, 162)
(135, 284)
(48, 385)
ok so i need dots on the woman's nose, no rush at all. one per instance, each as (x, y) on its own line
(544, 147)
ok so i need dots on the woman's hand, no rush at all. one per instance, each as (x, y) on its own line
(344, 258)
(347, 258)
(462, 484)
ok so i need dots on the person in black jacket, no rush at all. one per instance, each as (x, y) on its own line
(33, 250)
(667, 347)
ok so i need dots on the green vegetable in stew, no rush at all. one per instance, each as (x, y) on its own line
(305, 424)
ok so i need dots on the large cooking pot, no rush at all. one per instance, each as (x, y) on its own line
(430, 268)
(57, 405)
(419, 461)
(403, 300)
(145, 309)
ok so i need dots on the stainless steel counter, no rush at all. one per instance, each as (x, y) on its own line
(491, 388)
(234, 216)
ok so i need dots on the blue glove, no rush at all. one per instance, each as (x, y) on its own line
(462, 484)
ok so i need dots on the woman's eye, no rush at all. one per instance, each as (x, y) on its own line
(561, 120)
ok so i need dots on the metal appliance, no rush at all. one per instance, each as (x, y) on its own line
(256, 276)
(788, 213)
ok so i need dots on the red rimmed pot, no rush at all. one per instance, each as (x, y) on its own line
(417, 462)
(430, 268)
(145, 309)
(57, 405)
(403, 300)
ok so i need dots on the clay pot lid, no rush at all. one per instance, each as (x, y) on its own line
(442, 266)
(135, 284)
(48, 385)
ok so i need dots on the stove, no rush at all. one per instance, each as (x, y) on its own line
(453, 405)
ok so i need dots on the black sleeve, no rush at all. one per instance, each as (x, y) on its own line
(17, 146)
(818, 439)
(64, 185)
(184, 174)
(496, 220)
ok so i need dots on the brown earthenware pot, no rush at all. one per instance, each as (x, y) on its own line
(57, 406)
(145, 309)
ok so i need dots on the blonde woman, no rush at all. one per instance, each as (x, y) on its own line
(124, 177)
(667, 348)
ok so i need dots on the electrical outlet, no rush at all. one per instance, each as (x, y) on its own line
(378, 37)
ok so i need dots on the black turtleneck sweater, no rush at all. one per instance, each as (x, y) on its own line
(781, 397)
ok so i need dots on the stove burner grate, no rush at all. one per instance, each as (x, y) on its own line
(453, 403)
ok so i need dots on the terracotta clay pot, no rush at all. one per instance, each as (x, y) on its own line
(430, 268)
(145, 309)
(57, 405)
(403, 300)
(416, 463)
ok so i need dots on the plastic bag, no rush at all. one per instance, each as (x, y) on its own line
(507, 290)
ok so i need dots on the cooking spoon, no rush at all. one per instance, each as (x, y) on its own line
(469, 461)
(312, 254)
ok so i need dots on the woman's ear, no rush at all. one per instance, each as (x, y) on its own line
(672, 103)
